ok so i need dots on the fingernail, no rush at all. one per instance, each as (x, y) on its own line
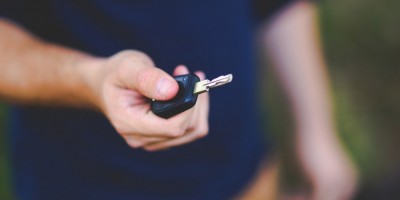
(163, 86)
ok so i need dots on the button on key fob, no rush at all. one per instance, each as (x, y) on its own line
(189, 87)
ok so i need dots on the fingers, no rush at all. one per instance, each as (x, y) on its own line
(155, 83)
(130, 113)
(172, 142)
(197, 129)
(181, 70)
(197, 132)
(149, 125)
(137, 72)
(137, 141)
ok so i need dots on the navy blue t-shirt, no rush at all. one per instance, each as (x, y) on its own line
(63, 153)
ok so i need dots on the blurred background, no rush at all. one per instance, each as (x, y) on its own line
(361, 39)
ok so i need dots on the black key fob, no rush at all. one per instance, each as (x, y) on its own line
(184, 99)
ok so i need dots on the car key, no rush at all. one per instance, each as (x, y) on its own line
(189, 87)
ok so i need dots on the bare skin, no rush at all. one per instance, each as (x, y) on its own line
(292, 41)
(36, 72)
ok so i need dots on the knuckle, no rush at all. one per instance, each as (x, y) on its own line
(176, 131)
(122, 127)
(135, 144)
(139, 54)
(126, 52)
(175, 128)
(121, 130)
(132, 53)
(124, 56)
(147, 149)
(202, 131)
(153, 149)
(140, 57)
(126, 60)
(185, 121)
(129, 57)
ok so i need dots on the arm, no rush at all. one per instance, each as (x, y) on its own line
(33, 71)
(292, 41)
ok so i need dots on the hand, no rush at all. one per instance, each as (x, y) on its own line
(123, 86)
(198, 125)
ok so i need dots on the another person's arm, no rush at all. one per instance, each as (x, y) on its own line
(292, 41)
(33, 71)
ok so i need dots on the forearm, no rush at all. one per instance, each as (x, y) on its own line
(34, 71)
(293, 43)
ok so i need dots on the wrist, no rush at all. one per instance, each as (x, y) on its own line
(88, 88)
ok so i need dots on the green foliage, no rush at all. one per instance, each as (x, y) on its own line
(361, 40)
(363, 47)
(5, 183)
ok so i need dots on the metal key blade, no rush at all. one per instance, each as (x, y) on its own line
(205, 85)
(222, 80)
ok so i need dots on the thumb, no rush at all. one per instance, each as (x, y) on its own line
(154, 83)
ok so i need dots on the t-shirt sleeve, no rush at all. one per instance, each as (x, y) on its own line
(8, 8)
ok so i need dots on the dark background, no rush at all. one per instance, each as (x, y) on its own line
(361, 40)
